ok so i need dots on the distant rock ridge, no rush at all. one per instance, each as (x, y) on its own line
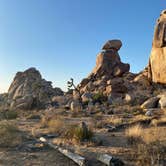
(29, 90)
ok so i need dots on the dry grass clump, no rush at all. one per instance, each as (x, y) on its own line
(154, 134)
(55, 124)
(134, 134)
(9, 134)
(151, 150)
(97, 122)
(151, 154)
(114, 120)
(158, 122)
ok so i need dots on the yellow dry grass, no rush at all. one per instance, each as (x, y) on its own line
(134, 134)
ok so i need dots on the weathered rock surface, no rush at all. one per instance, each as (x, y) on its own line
(106, 72)
(108, 62)
(151, 103)
(157, 62)
(29, 90)
(112, 78)
(162, 101)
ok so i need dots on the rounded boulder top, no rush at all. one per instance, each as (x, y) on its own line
(112, 44)
(163, 12)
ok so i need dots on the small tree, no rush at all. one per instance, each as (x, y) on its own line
(71, 84)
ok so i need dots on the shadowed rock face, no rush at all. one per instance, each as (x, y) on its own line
(28, 90)
(157, 62)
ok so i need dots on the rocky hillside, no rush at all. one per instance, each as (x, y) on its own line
(29, 90)
(111, 80)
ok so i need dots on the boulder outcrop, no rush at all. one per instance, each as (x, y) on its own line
(106, 77)
(157, 61)
(108, 62)
(29, 90)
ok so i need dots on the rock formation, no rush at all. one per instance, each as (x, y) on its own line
(109, 78)
(157, 62)
(29, 90)
(108, 62)
(108, 66)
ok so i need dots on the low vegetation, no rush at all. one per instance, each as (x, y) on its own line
(99, 98)
(11, 115)
(134, 134)
(78, 134)
(10, 135)
(56, 126)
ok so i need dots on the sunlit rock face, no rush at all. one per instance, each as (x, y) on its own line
(108, 71)
(108, 61)
(157, 61)
(29, 90)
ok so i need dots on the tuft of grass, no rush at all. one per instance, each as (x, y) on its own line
(115, 120)
(158, 122)
(56, 126)
(151, 154)
(9, 134)
(134, 134)
(78, 134)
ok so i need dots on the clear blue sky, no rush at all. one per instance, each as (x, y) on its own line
(62, 37)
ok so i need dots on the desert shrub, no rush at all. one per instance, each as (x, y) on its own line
(11, 114)
(9, 134)
(99, 98)
(78, 133)
(134, 134)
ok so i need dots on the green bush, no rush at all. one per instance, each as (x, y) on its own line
(99, 98)
(78, 134)
(10, 115)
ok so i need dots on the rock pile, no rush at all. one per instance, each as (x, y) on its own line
(157, 62)
(106, 76)
(29, 90)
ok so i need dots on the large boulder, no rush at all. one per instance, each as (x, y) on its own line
(115, 44)
(150, 103)
(29, 90)
(157, 62)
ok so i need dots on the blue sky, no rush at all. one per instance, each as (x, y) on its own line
(61, 38)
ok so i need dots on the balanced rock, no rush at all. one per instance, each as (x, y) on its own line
(107, 76)
(108, 61)
(29, 90)
(157, 62)
(112, 44)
